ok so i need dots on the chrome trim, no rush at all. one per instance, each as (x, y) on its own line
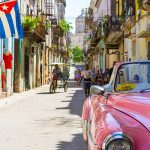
(113, 136)
(97, 90)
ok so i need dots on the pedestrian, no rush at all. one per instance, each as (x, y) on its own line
(65, 73)
(106, 76)
(101, 77)
(56, 73)
(82, 75)
(97, 77)
(93, 75)
(78, 77)
(87, 82)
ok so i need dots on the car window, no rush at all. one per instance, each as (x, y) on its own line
(133, 77)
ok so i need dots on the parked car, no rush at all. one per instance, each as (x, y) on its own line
(117, 115)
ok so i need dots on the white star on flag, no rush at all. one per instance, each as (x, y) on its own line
(10, 23)
(4, 7)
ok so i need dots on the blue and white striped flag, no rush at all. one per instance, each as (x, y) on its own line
(10, 23)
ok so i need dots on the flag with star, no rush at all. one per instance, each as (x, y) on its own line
(10, 23)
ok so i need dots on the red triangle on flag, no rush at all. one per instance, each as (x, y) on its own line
(6, 7)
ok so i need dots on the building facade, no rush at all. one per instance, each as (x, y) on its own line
(117, 31)
(32, 55)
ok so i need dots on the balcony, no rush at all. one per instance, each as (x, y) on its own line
(53, 21)
(88, 18)
(95, 38)
(97, 34)
(129, 23)
(57, 30)
(143, 27)
(146, 5)
(34, 29)
(115, 32)
(128, 16)
(40, 30)
(55, 40)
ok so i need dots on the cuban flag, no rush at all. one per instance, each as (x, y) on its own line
(10, 23)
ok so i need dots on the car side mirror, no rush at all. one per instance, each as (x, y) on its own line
(97, 90)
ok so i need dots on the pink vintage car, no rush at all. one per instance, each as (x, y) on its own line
(117, 115)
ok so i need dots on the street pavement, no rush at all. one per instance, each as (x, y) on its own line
(37, 120)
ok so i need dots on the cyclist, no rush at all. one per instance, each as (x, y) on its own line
(56, 73)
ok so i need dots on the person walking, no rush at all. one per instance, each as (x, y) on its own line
(87, 81)
(93, 75)
(106, 76)
(78, 77)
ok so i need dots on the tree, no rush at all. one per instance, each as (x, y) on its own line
(78, 55)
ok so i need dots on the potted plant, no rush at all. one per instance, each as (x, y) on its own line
(29, 23)
(65, 26)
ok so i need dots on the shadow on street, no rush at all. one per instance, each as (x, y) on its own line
(75, 108)
(76, 104)
(76, 144)
(48, 93)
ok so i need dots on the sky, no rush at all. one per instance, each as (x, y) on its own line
(73, 9)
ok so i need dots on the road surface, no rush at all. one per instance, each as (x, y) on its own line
(37, 120)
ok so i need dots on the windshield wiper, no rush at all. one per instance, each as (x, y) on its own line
(144, 90)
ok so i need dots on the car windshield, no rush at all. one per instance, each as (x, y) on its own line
(133, 77)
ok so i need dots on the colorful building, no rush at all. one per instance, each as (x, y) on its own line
(119, 30)
(41, 45)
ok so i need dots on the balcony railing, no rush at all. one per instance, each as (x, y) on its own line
(128, 24)
(115, 32)
(55, 40)
(40, 30)
(35, 28)
(53, 21)
(57, 30)
(88, 18)
(128, 16)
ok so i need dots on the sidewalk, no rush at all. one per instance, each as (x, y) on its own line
(4, 102)
(18, 97)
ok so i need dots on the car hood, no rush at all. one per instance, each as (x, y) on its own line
(135, 105)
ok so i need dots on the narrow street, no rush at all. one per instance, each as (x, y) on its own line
(37, 120)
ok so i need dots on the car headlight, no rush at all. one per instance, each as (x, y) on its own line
(117, 141)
